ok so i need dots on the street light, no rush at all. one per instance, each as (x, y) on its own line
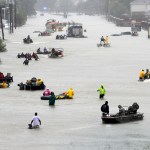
(4, 12)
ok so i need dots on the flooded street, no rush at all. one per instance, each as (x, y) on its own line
(75, 124)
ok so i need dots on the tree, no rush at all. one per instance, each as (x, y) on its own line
(27, 7)
(119, 7)
(2, 46)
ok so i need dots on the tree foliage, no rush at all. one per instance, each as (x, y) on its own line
(115, 7)
(27, 7)
(2, 46)
(119, 7)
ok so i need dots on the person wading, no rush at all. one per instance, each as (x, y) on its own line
(102, 92)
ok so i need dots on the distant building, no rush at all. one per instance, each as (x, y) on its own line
(140, 9)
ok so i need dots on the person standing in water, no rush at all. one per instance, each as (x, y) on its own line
(102, 92)
(35, 122)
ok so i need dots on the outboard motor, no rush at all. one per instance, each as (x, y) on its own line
(133, 109)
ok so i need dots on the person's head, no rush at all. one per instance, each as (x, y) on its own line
(147, 70)
(71, 89)
(119, 106)
(52, 93)
(106, 102)
(142, 69)
(35, 113)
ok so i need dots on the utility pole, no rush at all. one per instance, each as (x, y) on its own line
(15, 15)
(10, 18)
(108, 10)
(1, 21)
(65, 9)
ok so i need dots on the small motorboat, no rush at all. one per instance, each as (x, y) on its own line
(33, 84)
(122, 118)
(8, 78)
(27, 41)
(31, 87)
(103, 45)
(56, 53)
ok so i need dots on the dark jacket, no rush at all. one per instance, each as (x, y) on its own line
(52, 99)
(105, 108)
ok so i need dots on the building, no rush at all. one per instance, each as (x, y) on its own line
(140, 9)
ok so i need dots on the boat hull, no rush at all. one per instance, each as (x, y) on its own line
(122, 119)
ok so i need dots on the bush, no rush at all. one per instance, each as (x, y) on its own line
(2, 46)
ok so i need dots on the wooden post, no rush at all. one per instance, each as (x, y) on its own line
(1, 21)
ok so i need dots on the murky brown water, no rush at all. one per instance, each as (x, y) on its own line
(75, 124)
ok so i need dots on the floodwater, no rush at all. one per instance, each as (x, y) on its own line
(75, 124)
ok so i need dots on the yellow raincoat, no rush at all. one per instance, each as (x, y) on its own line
(106, 40)
(142, 73)
(70, 93)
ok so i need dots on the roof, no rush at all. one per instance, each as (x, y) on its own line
(140, 2)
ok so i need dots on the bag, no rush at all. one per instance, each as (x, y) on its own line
(103, 108)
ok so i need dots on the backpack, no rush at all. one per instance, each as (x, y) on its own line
(103, 108)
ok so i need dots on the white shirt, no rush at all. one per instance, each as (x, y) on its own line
(36, 121)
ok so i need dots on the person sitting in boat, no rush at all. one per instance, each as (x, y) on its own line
(121, 110)
(61, 37)
(26, 62)
(21, 85)
(4, 84)
(147, 74)
(102, 40)
(28, 82)
(38, 50)
(1, 75)
(28, 38)
(142, 74)
(53, 51)
(57, 36)
(134, 33)
(45, 50)
(39, 82)
(105, 108)
(22, 55)
(69, 94)
(36, 57)
(18, 56)
(47, 92)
